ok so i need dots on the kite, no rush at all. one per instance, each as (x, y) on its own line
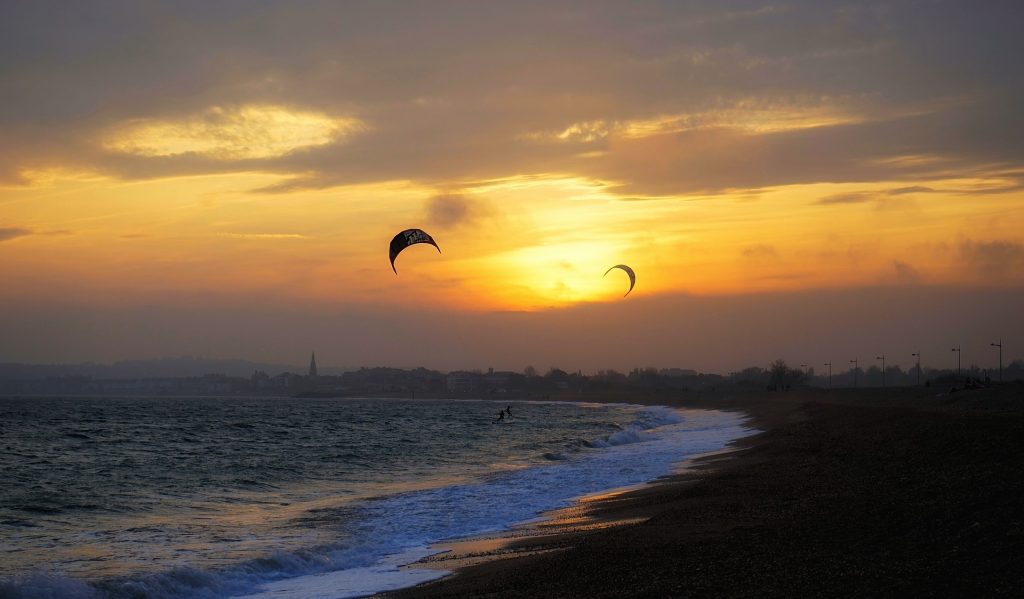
(629, 271)
(405, 239)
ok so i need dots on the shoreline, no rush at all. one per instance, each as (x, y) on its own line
(545, 534)
(846, 492)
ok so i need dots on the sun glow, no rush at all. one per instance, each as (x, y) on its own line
(526, 243)
(561, 273)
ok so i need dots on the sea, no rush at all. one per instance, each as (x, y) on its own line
(112, 497)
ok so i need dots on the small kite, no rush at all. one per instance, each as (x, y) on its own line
(629, 271)
(405, 239)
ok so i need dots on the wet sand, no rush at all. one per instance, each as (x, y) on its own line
(866, 492)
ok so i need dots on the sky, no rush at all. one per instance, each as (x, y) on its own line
(804, 180)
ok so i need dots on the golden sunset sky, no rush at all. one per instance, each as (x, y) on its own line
(222, 179)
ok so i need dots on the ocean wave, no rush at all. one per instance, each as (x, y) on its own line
(581, 444)
(47, 510)
(628, 435)
(637, 431)
(576, 452)
(19, 523)
(183, 582)
(44, 586)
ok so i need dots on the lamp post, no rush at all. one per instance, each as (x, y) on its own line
(1000, 346)
(918, 355)
(882, 358)
(829, 364)
(855, 369)
(957, 350)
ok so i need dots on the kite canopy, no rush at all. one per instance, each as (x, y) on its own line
(628, 271)
(405, 239)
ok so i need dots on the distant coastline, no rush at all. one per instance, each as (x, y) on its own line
(192, 377)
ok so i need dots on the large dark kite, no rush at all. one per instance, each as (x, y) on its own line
(405, 239)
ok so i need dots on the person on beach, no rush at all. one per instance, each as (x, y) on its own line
(501, 416)
(508, 410)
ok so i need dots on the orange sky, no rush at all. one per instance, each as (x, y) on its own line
(525, 242)
(272, 154)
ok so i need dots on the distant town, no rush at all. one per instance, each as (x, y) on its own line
(169, 378)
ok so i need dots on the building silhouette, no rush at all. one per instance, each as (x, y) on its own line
(312, 365)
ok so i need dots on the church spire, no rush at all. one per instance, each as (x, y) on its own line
(312, 365)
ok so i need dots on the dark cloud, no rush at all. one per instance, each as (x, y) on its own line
(857, 197)
(13, 232)
(730, 331)
(885, 199)
(449, 210)
(911, 189)
(993, 258)
(1014, 182)
(450, 89)
(905, 273)
(716, 160)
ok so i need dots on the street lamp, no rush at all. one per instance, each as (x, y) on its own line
(855, 369)
(957, 350)
(1000, 346)
(829, 364)
(882, 358)
(918, 355)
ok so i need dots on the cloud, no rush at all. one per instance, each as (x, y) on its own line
(993, 258)
(225, 133)
(7, 233)
(749, 116)
(760, 251)
(265, 235)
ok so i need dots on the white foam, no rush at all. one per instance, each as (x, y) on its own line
(400, 527)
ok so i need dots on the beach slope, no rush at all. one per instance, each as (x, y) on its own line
(845, 493)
